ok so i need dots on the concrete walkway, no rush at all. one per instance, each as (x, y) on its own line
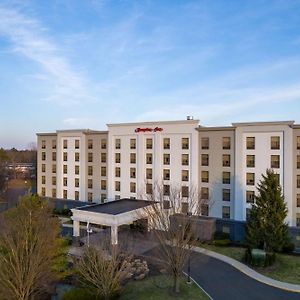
(250, 272)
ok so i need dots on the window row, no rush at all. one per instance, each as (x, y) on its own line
(225, 177)
(274, 143)
(225, 160)
(275, 161)
(226, 143)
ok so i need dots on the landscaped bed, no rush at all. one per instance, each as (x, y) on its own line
(286, 267)
(151, 288)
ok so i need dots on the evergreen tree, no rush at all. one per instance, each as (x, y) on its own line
(266, 227)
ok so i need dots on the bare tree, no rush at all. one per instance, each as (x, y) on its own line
(170, 219)
(29, 249)
(103, 269)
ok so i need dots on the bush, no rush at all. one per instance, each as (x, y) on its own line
(79, 293)
(223, 243)
(62, 211)
(220, 235)
(259, 260)
(270, 259)
(288, 247)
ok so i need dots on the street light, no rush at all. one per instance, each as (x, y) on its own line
(189, 214)
(88, 230)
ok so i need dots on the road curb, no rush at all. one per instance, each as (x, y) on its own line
(250, 272)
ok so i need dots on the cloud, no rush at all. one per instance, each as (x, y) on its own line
(29, 38)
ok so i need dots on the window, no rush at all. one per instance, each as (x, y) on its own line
(204, 210)
(148, 158)
(275, 142)
(103, 157)
(65, 144)
(43, 144)
(76, 195)
(118, 144)
(65, 169)
(54, 156)
(148, 188)
(132, 187)
(132, 158)
(185, 143)
(90, 170)
(43, 192)
(76, 182)
(166, 174)
(90, 157)
(298, 200)
(185, 159)
(117, 172)
(90, 197)
(204, 176)
(65, 156)
(53, 180)
(250, 143)
(226, 160)
(118, 186)
(298, 142)
(90, 183)
(275, 161)
(65, 194)
(226, 177)
(132, 143)
(53, 168)
(103, 171)
(65, 181)
(149, 144)
(250, 178)
(250, 196)
(43, 180)
(76, 170)
(43, 168)
(90, 144)
(76, 156)
(166, 190)
(118, 158)
(298, 161)
(250, 161)
(205, 143)
(298, 181)
(185, 175)
(226, 143)
(298, 221)
(185, 191)
(53, 193)
(103, 143)
(103, 184)
(103, 197)
(204, 159)
(184, 208)
(166, 143)
(226, 194)
(132, 172)
(226, 212)
(43, 155)
(53, 144)
(166, 159)
(76, 144)
(204, 193)
(148, 173)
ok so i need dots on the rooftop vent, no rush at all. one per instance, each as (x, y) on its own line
(190, 118)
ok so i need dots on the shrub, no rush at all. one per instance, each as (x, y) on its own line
(259, 260)
(79, 293)
(288, 247)
(220, 235)
(270, 259)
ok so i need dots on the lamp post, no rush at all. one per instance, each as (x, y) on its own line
(88, 230)
(189, 257)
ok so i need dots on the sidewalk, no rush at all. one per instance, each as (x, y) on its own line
(250, 272)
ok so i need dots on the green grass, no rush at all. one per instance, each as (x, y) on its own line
(160, 288)
(286, 267)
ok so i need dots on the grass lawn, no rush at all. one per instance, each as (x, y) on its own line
(160, 288)
(286, 267)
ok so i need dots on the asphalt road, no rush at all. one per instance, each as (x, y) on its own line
(223, 282)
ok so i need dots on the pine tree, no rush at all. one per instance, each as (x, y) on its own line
(266, 227)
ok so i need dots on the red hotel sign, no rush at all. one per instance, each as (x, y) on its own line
(148, 129)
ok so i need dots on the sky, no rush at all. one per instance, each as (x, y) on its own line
(82, 64)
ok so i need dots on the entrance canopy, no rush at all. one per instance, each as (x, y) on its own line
(113, 214)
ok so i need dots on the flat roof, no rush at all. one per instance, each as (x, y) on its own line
(116, 207)
(190, 121)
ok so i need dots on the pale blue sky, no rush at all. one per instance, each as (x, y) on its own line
(82, 64)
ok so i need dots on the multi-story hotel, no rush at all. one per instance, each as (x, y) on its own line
(224, 163)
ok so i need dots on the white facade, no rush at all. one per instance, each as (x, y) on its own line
(215, 160)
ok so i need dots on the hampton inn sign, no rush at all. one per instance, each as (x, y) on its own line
(148, 129)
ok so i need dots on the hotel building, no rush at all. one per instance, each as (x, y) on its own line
(224, 163)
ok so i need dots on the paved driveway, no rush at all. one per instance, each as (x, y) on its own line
(223, 282)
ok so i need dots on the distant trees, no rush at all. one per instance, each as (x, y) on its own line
(30, 249)
(266, 227)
